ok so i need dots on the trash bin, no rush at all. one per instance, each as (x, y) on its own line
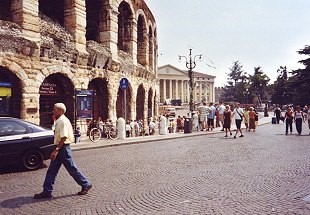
(187, 125)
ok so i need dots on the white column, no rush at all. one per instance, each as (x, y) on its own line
(177, 96)
(187, 92)
(182, 90)
(195, 91)
(200, 90)
(164, 90)
(213, 92)
(170, 89)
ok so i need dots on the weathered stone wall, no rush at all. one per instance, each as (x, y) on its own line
(34, 47)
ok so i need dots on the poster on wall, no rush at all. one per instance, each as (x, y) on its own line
(84, 100)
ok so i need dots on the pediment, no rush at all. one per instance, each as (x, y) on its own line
(169, 70)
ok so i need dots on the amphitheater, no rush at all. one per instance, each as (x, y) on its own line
(76, 52)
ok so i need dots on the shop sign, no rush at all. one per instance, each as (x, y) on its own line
(47, 88)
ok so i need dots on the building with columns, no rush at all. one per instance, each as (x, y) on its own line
(174, 84)
(76, 52)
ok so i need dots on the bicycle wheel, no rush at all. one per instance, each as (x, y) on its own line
(94, 135)
(113, 134)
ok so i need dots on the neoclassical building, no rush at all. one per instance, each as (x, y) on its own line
(76, 52)
(174, 84)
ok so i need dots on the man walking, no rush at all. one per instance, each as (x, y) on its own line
(221, 109)
(62, 155)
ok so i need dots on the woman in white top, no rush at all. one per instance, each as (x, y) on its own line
(298, 118)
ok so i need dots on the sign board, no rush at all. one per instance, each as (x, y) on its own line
(84, 99)
(47, 88)
(124, 83)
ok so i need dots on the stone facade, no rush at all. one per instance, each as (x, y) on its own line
(174, 84)
(77, 44)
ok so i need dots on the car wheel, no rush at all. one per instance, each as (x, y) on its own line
(32, 159)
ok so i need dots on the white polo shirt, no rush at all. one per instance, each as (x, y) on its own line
(63, 128)
(236, 115)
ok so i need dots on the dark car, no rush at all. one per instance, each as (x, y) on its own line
(24, 143)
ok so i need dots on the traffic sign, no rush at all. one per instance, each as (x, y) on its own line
(124, 83)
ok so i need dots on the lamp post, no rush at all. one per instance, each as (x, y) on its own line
(190, 64)
(247, 96)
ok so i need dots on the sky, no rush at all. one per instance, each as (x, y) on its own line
(265, 33)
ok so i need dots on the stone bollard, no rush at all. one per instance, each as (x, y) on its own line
(195, 122)
(163, 130)
(121, 128)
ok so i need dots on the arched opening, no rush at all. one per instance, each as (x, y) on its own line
(140, 103)
(151, 49)
(93, 8)
(101, 98)
(10, 94)
(54, 9)
(141, 41)
(56, 88)
(5, 10)
(150, 104)
(121, 105)
(124, 27)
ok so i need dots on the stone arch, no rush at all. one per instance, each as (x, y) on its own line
(125, 27)
(95, 19)
(140, 103)
(5, 10)
(101, 98)
(10, 93)
(54, 9)
(124, 108)
(55, 88)
(155, 104)
(150, 103)
(151, 48)
(142, 40)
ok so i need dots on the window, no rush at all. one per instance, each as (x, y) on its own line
(8, 128)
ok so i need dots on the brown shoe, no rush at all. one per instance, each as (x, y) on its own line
(43, 195)
(85, 190)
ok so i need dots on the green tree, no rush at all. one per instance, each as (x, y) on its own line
(299, 84)
(258, 84)
(279, 87)
(236, 83)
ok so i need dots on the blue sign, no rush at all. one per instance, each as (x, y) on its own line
(124, 83)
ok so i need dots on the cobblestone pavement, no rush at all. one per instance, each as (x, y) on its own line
(265, 172)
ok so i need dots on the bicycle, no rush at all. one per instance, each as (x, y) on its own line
(111, 132)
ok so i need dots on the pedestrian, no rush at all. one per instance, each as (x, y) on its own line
(221, 110)
(227, 119)
(128, 128)
(246, 117)
(252, 116)
(202, 116)
(239, 115)
(100, 125)
(256, 116)
(152, 126)
(62, 155)
(298, 118)
(277, 113)
(180, 124)
(211, 116)
(288, 120)
(77, 135)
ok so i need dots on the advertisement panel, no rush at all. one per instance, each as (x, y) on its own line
(84, 99)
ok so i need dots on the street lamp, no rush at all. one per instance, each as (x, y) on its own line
(190, 64)
(247, 95)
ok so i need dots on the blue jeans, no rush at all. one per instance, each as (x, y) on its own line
(64, 157)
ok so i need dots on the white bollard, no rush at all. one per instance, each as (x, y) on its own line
(121, 128)
(195, 122)
(163, 130)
